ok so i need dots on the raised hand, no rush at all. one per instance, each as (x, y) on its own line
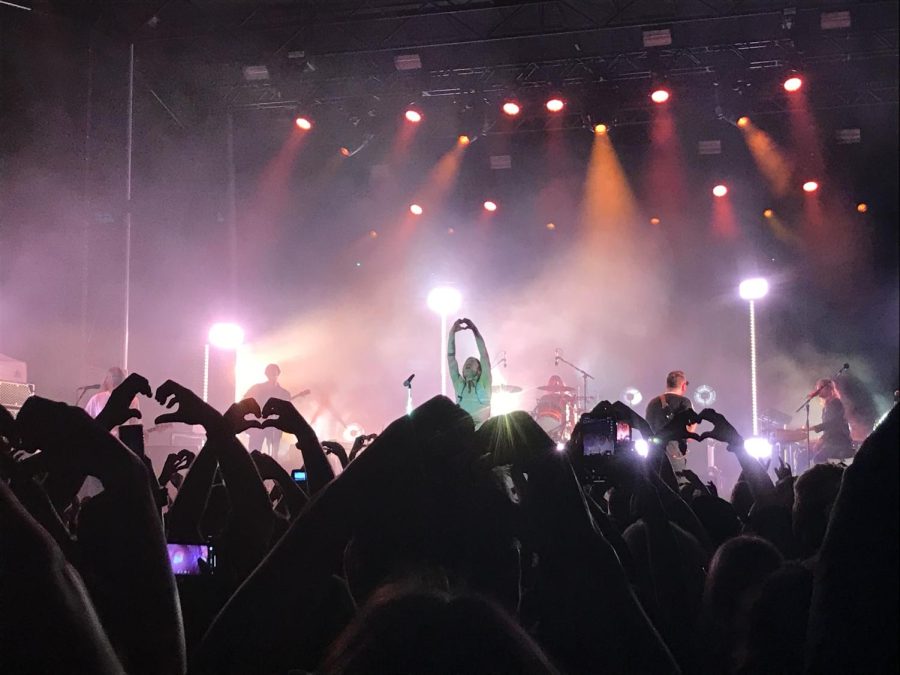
(283, 415)
(118, 408)
(722, 429)
(468, 323)
(268, 468)
(360, 443)
(677, 428)
(191, 408)
(8, 428)
(175, 462)
(783, 470)
(622, 413)
(236, 415)
(458, 325)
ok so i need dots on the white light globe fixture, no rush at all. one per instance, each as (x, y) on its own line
(226, 336)
(753, 289)
(444, 300)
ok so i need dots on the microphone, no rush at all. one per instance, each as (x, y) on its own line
(88, 387)
(846, 366)
(408, 381)
(556, 358)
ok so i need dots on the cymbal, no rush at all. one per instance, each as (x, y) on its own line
(506, 389)
(556, 389)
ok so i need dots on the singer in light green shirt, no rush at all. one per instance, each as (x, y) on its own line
(473, 387)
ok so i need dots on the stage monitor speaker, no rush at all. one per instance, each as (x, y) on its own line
(14, 394)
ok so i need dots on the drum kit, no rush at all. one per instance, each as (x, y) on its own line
(558, 407)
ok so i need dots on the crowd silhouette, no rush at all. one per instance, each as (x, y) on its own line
(438, 548)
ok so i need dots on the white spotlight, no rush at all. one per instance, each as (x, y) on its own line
(353, 430)
(444, 300)
(758, 447)
(560, 447)
(632, 396)
(642, 447)
(226, 335)
(753, 289)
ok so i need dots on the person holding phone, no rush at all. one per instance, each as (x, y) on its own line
(473, 386)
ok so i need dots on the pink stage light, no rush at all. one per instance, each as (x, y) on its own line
(511, 108)
(415, 209)
(659, 96)
(810, 186)
(555, 104)
(490, 206)
(720, 190)
(793, 84)
(303, 123)
(413, 116)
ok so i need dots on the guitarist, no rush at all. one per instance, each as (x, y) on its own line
(262, 392)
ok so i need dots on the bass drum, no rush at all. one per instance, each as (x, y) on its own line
(555, 415)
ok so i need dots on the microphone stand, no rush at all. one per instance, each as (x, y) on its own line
(81, 392)
(806, 403)
(409, 399)
(585, 376)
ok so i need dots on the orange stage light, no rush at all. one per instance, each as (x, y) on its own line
(416, 210)
(600, 129)
(743, 121)
(654, 220)
(303, 123)
(413, 116)
(862, 207)
(768, 213)
(464, 140)
(810, 186)
(490, 206)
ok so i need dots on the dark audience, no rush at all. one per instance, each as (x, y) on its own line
(438, 549)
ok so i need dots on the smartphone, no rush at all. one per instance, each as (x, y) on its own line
(191, 559)
(132, 435)
(623, 432)
(599, 435)
(299, 476)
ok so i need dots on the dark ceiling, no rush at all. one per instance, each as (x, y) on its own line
(342, 52)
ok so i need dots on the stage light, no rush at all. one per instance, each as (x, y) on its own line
(415, 209)
(862, 207)
(555, 104)
(659, 96)
(511, 108)
(600, 129)
(810, 186)
(413, 116)
(642, 447)
(463, 140)
(551, 226)
(560, 447)
(444, 300)
(345, 151)
(226, 336)
(704, 395)
(352, 431)
(758, 448)
(373, 234)
(720, 190)
(632, 396)
(303, 123)
(768, 213)
(753, 289)
(743, 121)
(793, 84)
(450, 230)
(490, 206)
(654, 220)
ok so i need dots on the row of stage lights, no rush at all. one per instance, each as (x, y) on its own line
(556, 104)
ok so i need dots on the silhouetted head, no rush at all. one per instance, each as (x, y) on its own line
(828, 390)
(814, 493)
(471, 369)
(272, 372)
(406, 629)
(114, 377)
(676, 382)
